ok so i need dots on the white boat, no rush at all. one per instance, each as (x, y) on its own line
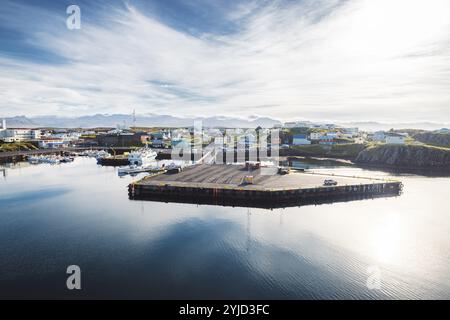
(141, 157)
(50, 160)
(98, 154)
(43, 159)
(174, 168)
(174, 164)
(34, 159)
(88, 153)
(154, 166)
(67, 159)
(133, 169)
(102, 154)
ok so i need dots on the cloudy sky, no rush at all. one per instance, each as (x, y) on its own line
(383, 60)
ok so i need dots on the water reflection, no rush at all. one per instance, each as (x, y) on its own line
(54, 216)
(387, 238)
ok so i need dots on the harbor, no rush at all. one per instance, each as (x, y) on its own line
(117, 160)
(258, 184)
(248, 186)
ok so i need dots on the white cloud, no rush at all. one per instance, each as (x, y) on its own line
(356, 60)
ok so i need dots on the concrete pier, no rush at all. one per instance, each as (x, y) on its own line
(223, 185)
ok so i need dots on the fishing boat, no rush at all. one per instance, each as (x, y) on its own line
(67, 159)
(174, 168)
(48, 159)
(101, 154)
(98, 154)
(34, 159)
(51, 159)
(141, 157)
(88, 153)
(133, 169)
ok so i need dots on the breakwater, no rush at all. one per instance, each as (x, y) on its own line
(223, 185)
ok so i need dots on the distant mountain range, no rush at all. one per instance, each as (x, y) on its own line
(147, 120)
(157, 120)
(373, 126)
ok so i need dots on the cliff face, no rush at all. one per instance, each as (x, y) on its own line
(407, 156)
(438, 139)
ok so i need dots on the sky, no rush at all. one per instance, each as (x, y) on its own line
(343, 60)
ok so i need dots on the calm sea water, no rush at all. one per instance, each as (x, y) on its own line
(79, 213)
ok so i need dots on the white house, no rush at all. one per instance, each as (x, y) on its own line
(2, 130)
(315, 136)
(88, 133)
(53, 143)
(66, 136)
(17, 135)
(351, 132)
(395, 139)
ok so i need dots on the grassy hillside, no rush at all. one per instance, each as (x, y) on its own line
(406, 156)
(344, 151)
(16, 146)
(433, 138)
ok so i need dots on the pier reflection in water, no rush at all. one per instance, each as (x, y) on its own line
(79, 213)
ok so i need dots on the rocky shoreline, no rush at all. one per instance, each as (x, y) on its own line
(389, 156)
(406, 156)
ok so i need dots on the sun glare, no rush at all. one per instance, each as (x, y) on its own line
(387, 28)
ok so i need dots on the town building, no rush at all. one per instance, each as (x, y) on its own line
(53, 143)
(315, 136)
(124, 139)
(326, 140)
(393, 138)
(333, 135)
(18, 134)
(2, 130)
